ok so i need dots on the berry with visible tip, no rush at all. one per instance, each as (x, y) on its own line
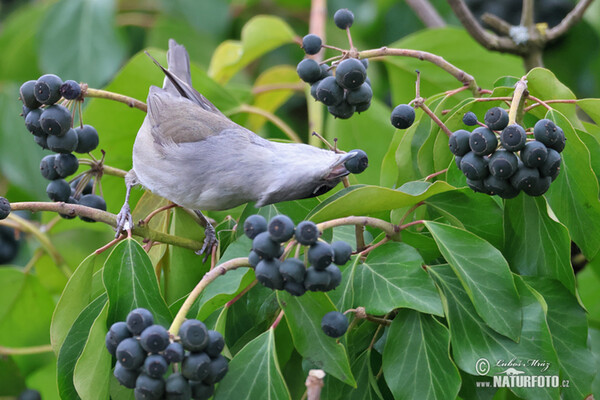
(126, 377)
(540, 187)
(309, 70)
(195, 366)
(266, 247)
(47, 167)
(561, 143)
(496, 118)
(335, 276)
(87, 139)
(139, 319)
(177, 387)
(63, 144)
(65, 164)
(403, 116)
(254, 225)
(70, 90)
(525, 178)
(503, 163)
(281, 228)
(329, 92)
(341, 252)
(130, 354)
(513, 137)
(470, 119)
(193, 335)
(342, 110)
(551, 166)
(58, 190)
(154, 339)
(362, 107)
(363, 94)
(546, 131)
(201, 391)
(320, 255)
(32, 122)
(253, 258)
(534, 154)
(292, 269)
(26, 92)
(4, 208)
(459, 142)
(217, 369)
(115, 335)
(93, 201)
(510, 193)
(358, 163)
(343, 18)
(476, 185)
(47, 89)
(311, 43)
(350, 73)
(56, 120)
(483, 141)
(294, 288)
(174, 352)
(307, 232)
(155, 365)
(147, 387)
(267, 273)
(334, 324)
(216, 344)
(316, 280)
(474, 167)
(494, 185)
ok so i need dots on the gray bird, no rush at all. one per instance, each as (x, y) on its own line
(188, 152)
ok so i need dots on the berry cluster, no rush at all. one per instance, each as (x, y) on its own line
(144, 351)
(403, 116)
(347, 92)
(334, 324)
(51, 125)
(497, 170)
(291, 274)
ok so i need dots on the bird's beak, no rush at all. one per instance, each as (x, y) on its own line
(338, 169)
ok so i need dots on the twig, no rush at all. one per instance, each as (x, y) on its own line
(277, 320)
(103, 94)
(240, 294)
(428, 177)
(426, 13)
(390, 229)
(517, 100)
(421, 104)
(245, 108)
(146, 220)
(14, 351)
(569, 20)
(410, 211)
(417, 222)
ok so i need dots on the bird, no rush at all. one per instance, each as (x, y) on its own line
(189, 152)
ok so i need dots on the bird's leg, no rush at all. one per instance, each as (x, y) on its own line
(210, 235)
(124, 218)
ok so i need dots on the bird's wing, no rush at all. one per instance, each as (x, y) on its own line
(176, 119)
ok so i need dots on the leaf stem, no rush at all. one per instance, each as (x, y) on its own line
(18, 351)
(518, 99)
(390, 229)
(195, 293)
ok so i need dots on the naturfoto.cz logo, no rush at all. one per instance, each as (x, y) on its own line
(512, 375)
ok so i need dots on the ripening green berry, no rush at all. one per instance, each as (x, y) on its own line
(470, 119)
(329, 92)
(496, 118)
(513, 137)
(546, 131)
(534, 154)
(316, 280)
(154, 339)
(267, 273)
(334, 324)
(254, 225)
(503, 163)
(87, 139)
(66, 143)
(26, 92)
(483, 141)
(58, 190)
(307, 233)
(292, 269)
(309, 70)
(403, 116)
(350, 73)
(47, 89)
(266, 247)
(130, 354)
(342, 110)
(474, 167)
(311, 43)
(459, 142)
(341, 252)
(139, 319)
(343, 18)
(281, 228)
(193, 335)
(358, 163)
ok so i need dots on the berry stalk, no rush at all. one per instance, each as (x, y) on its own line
(518, 100)
(104, 94)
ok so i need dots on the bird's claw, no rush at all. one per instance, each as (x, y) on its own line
(210, 242)
(124, 220)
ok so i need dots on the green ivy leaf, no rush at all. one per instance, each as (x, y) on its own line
(416, 359)
(573, 196)
(260, 35)
(73, 345)
(537, 245)
(130, 282)
(303, 315)
(255, 372)
(393, 277)
(577, 364)
(83, 34)
(367, 199)
(75, 297)
(473, 340)
(366, 384)
(485, 275)
(91, 376)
